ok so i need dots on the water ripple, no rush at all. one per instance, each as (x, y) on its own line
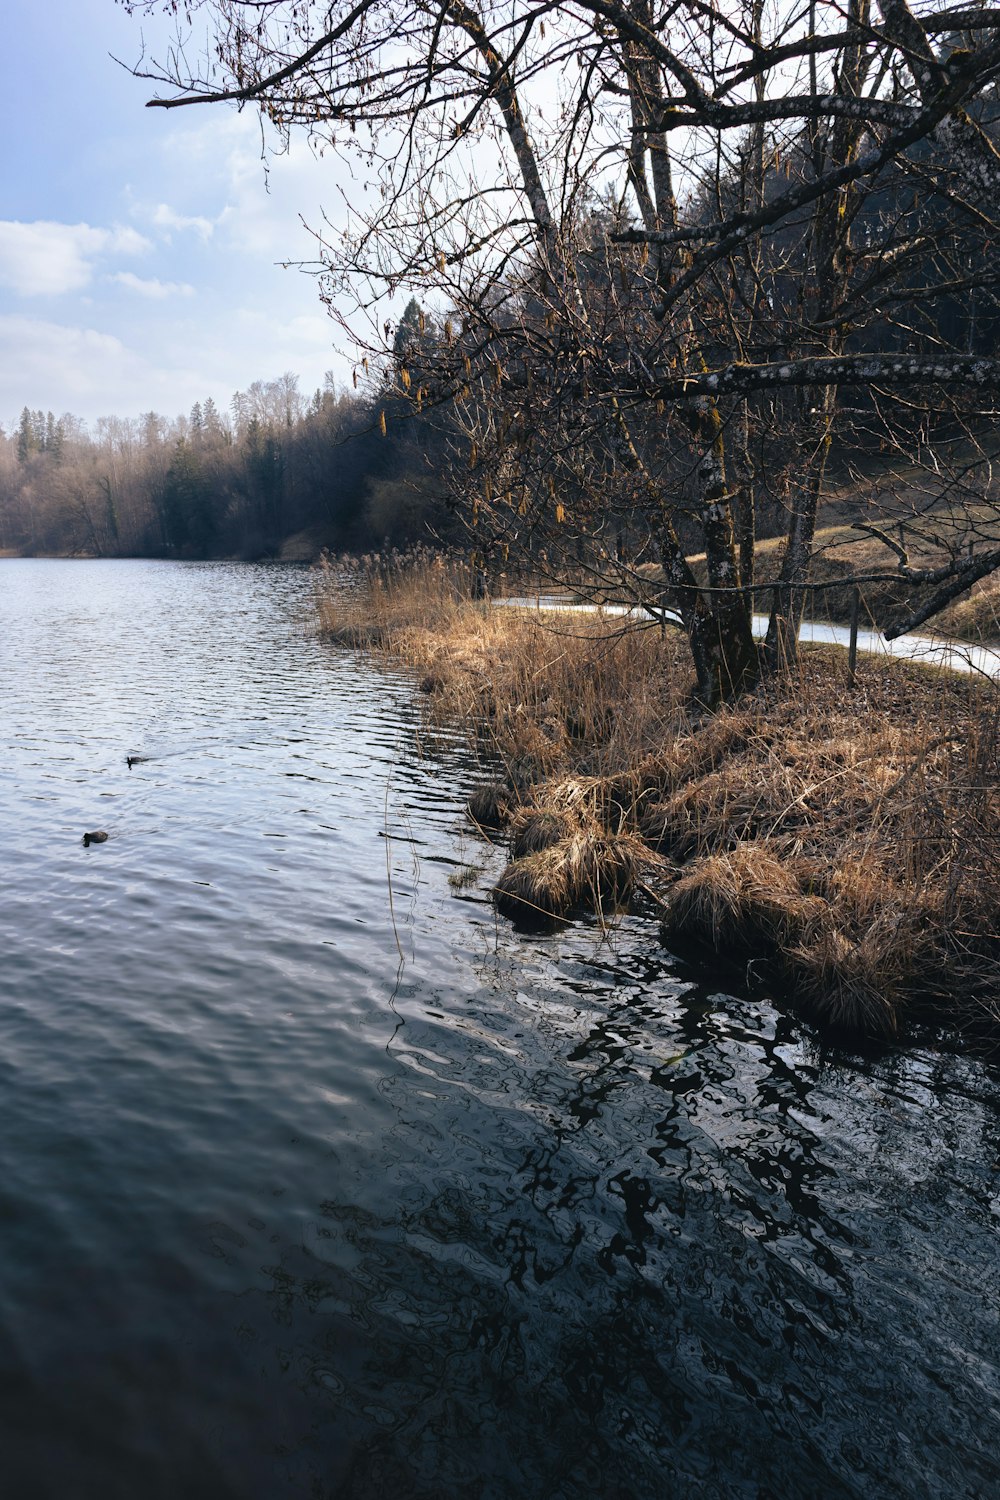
(286, 1214)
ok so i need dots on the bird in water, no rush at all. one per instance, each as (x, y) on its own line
(97, 837)
(135, 760)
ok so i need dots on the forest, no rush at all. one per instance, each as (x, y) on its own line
(232, 483)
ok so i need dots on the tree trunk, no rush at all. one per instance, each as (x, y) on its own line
(831, 240)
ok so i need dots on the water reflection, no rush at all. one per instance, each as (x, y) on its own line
(307, 1195)
(666, 1266)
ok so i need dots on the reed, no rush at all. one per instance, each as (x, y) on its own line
(847, 838)
(369, 600)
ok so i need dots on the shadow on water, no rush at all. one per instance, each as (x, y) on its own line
(304, 1195)
(650, 1240)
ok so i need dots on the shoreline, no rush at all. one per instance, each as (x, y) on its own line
(841, 842)
(949, 653)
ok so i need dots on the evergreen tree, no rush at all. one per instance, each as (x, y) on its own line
(25, 437)
(211, 420)
(54, 437)
(410, 330)
(188, 518)
(153, 429)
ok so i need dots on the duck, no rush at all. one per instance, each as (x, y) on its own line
(97, 837)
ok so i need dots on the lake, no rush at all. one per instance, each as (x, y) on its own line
(318, 1180)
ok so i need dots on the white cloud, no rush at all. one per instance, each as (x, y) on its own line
(315, 329)
(67, 367)
(157, 290)
(255, 211)
(38, 357)
(122, 240)
(46, 258)
(164, 217)
(164, 366)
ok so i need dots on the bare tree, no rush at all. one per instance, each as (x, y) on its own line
(665, 239)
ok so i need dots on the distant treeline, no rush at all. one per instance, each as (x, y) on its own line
(350, 467)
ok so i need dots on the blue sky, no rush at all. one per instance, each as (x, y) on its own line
(139, 248)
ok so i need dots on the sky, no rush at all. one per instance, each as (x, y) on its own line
(141, 250)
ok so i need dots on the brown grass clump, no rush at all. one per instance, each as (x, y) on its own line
(594, 801)
(854, 944)
(581, 871)
(853, 985)
(534, 829)
(490, 806)
(694, 817)
(747, 901)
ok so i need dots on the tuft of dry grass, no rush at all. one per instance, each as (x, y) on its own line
(848, 837)
(855, 985)
(747, 900)
(536, 828)
(581, 871)
(490, 806)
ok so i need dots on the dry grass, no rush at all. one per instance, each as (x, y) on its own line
(848, 839)
(534, 829)
(975, 618)
(583, 870)
(746, 899)
(370, 600)
(491, 806)
(854, 984)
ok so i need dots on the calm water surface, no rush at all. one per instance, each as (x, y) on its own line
(289, 1210)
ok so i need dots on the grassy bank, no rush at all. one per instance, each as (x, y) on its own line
(973, 617)
(842, 553)
(843, 843)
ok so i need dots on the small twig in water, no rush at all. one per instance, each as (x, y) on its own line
(388, 874)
